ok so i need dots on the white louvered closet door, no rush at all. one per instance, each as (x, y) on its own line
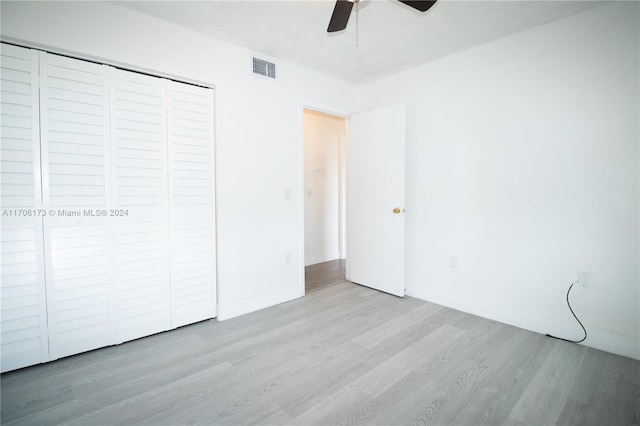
(192, 203)
(24, 315)
(74, 120)
(139, 154)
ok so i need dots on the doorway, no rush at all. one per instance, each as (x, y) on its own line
(324, 137)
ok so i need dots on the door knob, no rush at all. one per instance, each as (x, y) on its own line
(397, 210)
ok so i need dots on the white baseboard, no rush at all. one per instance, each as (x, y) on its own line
(605, 340)
(255, 303)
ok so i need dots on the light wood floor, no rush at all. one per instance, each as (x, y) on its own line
(323, 275)
(344, 354)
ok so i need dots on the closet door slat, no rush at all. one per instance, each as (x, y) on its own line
(192, 203)
(23, 325)
(76, 185)
(139, 153)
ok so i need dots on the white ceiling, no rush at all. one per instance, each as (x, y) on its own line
(392, 36)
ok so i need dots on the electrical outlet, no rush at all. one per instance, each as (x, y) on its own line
(584, 279)
(453, 262)
(287, 259)
(287, 194)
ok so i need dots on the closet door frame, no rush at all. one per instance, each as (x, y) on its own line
(192, 285)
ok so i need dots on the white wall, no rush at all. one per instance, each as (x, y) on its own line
(258, 131)
(522, 160)
(322, 134)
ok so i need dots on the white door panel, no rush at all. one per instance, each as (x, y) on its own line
(23, 317)
(191, 196)
(75, 170)
(139, 155)
(376, 157)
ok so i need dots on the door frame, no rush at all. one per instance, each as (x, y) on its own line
(338, 112)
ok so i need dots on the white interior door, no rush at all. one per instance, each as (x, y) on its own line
(375, 169)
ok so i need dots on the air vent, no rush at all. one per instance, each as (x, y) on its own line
(264, 68)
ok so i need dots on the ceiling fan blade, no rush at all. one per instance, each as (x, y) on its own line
(340, 16)
(421, 5)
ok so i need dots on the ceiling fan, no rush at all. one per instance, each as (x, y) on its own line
(342, 11)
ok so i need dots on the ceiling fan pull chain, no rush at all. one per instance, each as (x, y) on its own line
(357, 14)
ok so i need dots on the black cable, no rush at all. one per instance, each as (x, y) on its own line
(576, 317)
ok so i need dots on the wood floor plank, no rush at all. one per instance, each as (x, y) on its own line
(634, 416)
(546, 395)
(357, 399)
(324, 274)
(121, 402)
(387, 347)
(447, 383)
(573, 413)
(612, 380)
(343, 354)
(583, 387)
(398, 324)
(509, 384)
(495, 365)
